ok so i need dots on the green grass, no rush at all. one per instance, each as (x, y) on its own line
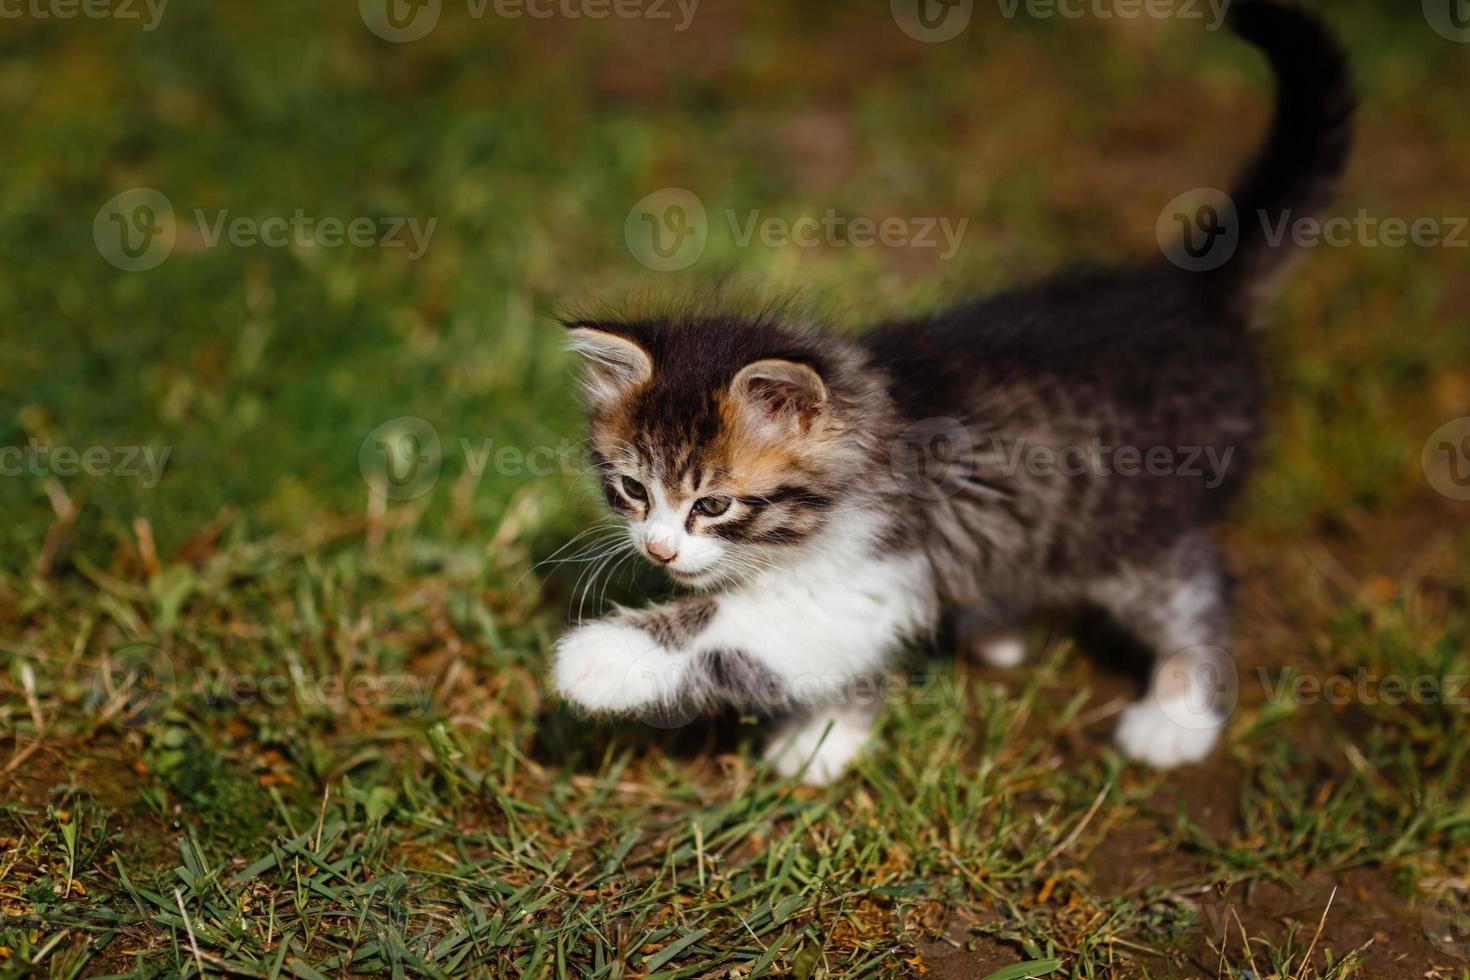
(343, 757)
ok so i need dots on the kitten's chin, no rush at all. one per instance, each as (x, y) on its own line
(706, 578)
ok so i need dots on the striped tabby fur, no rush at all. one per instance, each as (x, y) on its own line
(826, 500)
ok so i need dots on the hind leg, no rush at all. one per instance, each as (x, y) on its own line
(992, 635)
(1179, 609)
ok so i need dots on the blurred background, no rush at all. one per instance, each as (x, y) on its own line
(281, 399)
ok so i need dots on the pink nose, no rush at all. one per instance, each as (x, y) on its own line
(661, 551)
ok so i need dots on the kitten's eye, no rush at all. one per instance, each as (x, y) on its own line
(712, 506)
(634, 490)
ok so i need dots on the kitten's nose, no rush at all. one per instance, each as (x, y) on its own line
(663, 552)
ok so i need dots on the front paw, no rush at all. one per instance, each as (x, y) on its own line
(613, 668)
(1167, 732)
(819, 748)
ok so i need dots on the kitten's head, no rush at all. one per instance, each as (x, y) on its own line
(726, 445)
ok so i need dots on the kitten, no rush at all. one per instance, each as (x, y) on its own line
(826, 500)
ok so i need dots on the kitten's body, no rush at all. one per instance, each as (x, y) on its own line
(978, 461)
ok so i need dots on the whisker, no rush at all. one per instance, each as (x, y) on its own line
(603, 525)
(587, 574)
(591, 580)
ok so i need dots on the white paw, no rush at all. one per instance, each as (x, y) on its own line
(1167, 732)
(613, 668)
(800, 743)
(1002, 650)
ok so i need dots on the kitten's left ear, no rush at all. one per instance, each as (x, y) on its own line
(780, 393)
(615, 364)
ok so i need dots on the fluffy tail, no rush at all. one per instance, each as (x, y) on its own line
(1296, 172)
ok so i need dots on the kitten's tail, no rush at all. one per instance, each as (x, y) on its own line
(1297, 170)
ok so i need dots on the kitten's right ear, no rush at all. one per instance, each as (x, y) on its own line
(615, 364)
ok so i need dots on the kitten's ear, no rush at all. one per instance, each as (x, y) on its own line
(779, 393)
(615, 364)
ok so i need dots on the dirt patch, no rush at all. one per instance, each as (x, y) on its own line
(1366, 908)
(967, 959)
(104, 776)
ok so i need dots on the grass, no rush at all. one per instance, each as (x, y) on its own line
(261, 721)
